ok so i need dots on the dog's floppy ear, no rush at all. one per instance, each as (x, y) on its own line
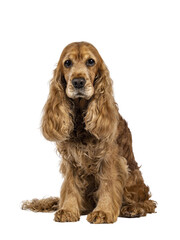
(57, 120)
(102, 114)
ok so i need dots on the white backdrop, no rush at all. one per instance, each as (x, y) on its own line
(140, 43)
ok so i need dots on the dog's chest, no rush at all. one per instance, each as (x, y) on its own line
(83, 150)
(85, 158)
(85, 155)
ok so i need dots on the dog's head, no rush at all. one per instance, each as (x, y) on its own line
(80, 65)
(80, 73)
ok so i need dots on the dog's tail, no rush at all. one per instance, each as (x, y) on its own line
(41, 205)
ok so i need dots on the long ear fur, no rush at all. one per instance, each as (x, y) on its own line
(57, 120)
(102, 116)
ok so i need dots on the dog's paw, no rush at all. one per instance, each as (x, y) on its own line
(100, 217)
(132, 212)
(65, 216)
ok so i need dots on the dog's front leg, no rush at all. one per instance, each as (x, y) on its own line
(112, 179)
(70, 200)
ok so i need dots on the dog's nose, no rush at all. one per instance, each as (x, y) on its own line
(78, 82)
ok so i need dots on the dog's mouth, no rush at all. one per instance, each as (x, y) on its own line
(83, 94)
(79, 94)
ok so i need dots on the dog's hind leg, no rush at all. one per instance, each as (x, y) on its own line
(138, 209)
(136, 198)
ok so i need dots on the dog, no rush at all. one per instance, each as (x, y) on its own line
(101, 177)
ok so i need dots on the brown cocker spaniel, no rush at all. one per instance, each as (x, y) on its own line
(101, 176)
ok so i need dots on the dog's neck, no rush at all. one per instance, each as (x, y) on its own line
(80, 108)
(81, 104)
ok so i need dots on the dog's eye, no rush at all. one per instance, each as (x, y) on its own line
(68, 63)
(90, 62)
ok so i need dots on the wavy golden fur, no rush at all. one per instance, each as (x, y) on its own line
(101, 176)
